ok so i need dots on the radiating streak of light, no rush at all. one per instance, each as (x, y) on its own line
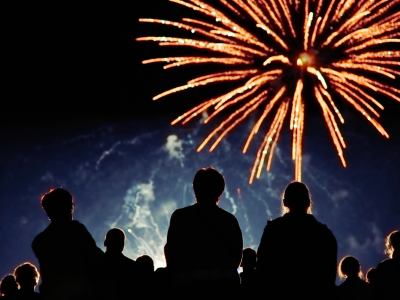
(351, 28)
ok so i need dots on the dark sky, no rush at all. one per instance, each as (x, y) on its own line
(79, 60)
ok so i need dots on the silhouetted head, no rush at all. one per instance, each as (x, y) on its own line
(115, 240)
(8, 286)
(145, 265)
(371, 276)
(58, 204)
(208, 185)
(393, 244)
(296, 198)
(349, 266)
(249, 259)
(27, 276)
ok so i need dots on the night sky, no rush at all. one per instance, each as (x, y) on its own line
(77, 112)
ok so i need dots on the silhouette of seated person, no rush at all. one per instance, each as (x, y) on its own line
(145, 269)
(388, 271)
(371, 277)
(27, 277)
(8, 288)
(70, 262)
(204, 242)
(353, 287)
(297, 255)
(248, 278)
(120, 271)
(163, 278)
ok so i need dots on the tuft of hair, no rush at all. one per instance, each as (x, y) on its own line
(393, 244)
(208, 185)
(349, 266)
(297, 196)
(57, 202)
(26, 273)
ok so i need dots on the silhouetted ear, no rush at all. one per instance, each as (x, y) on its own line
(105, 243)
(73, 208)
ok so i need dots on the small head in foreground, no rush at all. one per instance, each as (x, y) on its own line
(393, 244)
(296, 198)
(145, 265)
(27, 276)
(8, 286)
(115, 240)
(349, 267)
(249, 259)
(208, 185)
(371, 276)
(58, 204)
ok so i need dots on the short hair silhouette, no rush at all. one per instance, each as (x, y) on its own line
(115, 240)
(393, 244)
(8, 286)
(249, 258)
(349, 266)
(26, 275)
(296, 198)
(145, 264)
(208, 185)
(57, 203)
(371, 276)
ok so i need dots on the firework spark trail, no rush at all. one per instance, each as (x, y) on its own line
(265, 42)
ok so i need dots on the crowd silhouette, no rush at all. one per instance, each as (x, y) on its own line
(296, 257)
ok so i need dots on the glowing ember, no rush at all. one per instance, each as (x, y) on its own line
(337, 44)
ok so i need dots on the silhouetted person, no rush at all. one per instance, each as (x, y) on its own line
(371, 277)
(204, 242)
(70, 262)
(145, 269)
(248, 278)
(120, 271)
(388, 271)
(353, 287)
(249, 260)
(27, 277)
(297, 255)
(8, 288)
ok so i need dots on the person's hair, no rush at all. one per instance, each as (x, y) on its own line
(145, 263)
(26, 275)
(208, 185)
(296, 197)
(57, 203)
(115, 239)
(371, 275)
(349, 266)
(393, 244)
(8, 285)
(249, 257)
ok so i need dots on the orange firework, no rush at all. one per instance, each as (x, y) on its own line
(341, 48)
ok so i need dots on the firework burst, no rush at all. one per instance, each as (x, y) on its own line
(331, 48)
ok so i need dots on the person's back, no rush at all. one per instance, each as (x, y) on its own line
(68, 256)
(297, 254)
(120, 271)
(204, 240)
(353, 287)
(388, 271)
